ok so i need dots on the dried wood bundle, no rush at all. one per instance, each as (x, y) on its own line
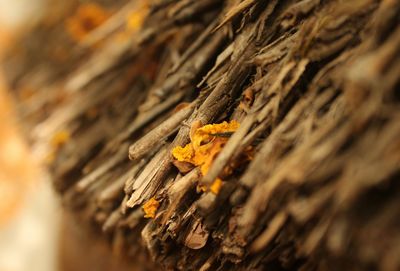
(142, 142)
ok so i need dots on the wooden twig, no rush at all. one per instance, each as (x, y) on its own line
(146, 143)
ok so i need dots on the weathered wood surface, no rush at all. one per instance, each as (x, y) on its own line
(315, 87)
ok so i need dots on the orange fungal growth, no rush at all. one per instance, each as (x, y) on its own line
(206, 143)
(137, 16)
(183, 154)
(210, 131)
(216, 186)
(60, 138)
(150, 208)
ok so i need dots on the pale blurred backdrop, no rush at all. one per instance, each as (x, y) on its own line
(29, 211)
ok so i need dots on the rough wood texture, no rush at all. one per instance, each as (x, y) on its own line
(315, 87)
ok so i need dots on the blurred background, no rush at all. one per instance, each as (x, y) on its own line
(29, 211)
(42, 41)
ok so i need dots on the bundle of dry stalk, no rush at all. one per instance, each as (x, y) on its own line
(298, 168)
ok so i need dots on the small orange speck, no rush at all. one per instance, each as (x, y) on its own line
(136, 18)
(216, 186)
(60, 138)
(150, 208)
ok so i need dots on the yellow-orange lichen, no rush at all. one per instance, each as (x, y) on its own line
(150, 208)
(206, 143)
(136, 17)
(216, 186)
(60, 138)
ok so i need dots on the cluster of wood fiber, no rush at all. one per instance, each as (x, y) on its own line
(315, 87)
